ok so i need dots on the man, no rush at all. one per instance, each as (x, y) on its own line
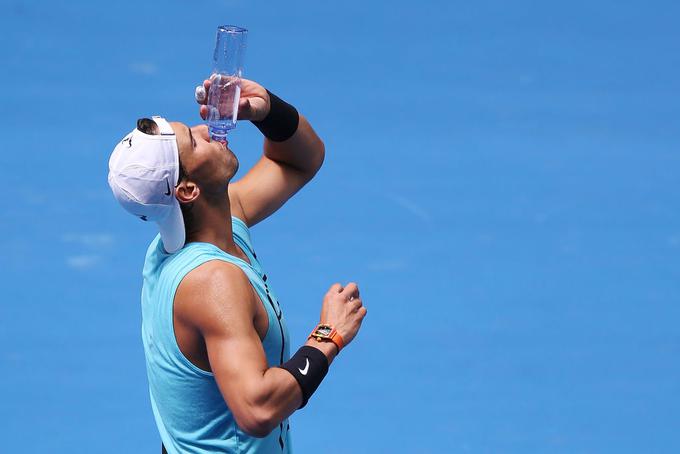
(221, 378)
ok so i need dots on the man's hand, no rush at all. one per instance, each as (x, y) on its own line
(253, 105)
(284, 168)
(342, 308)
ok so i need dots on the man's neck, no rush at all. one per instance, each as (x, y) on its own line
(211, 223)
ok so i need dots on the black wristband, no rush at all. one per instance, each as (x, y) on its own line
(281, 122)
(309, 366)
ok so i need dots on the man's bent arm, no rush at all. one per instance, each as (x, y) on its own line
(283, 170)
(223, 310)
(304, 151)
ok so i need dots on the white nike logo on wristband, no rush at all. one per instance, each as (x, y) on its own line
(304, 371)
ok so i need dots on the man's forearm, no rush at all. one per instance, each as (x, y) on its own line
(279, 395)
(304, 151)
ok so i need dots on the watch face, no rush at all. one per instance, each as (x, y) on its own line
(323, 331)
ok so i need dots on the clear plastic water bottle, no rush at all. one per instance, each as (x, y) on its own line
(225, 89)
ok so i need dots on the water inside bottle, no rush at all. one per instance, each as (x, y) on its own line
(223, 98)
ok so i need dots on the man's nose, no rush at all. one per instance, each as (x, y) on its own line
(201, 131)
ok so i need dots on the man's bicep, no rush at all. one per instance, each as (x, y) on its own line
(223, 314)
(260, 397)
(238, 363)
(265, 188)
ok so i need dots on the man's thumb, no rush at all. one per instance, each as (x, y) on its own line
(244, 109)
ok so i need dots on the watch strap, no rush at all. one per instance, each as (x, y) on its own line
(333, 336)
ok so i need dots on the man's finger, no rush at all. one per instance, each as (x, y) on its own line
(351, 289)
(244, 109)
(355, 304)
(203, 112)
(201, 94)
(335, 288)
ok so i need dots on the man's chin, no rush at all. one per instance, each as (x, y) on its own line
(233, 164)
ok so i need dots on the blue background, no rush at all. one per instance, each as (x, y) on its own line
(501, 180)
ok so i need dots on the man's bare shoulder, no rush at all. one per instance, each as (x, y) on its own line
(214, 296)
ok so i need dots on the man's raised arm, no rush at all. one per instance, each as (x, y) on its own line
(293, 153)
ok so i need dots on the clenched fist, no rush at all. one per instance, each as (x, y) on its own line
(343, 309)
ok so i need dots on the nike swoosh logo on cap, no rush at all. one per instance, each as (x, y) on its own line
(168, 184)
(304, 371)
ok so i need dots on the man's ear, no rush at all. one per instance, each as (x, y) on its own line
(187, 191)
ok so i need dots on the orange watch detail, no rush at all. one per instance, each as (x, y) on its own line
(325, 332)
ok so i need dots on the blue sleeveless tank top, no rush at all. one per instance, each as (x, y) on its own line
(190, 412)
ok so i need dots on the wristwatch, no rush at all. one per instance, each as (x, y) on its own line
(326, 333)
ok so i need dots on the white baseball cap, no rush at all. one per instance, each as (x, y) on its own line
(143, 173)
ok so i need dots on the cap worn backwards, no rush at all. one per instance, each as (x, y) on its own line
(143, 173)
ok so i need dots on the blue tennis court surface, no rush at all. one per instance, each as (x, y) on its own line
(501, 180)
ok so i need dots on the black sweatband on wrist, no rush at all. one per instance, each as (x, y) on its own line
(281, 122)
(309, 366)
